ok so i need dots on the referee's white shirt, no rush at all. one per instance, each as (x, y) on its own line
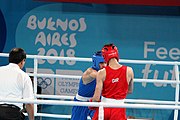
(15, 83)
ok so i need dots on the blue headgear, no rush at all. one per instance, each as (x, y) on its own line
(96, 59)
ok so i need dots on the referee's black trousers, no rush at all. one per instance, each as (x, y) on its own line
(10, 112)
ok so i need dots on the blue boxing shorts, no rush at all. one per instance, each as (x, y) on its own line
(81, 112)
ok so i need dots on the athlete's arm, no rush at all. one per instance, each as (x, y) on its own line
(99, 85)
(30, 111)
(89, 75)
(130, 77)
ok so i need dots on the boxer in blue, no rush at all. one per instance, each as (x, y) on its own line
(87, 86)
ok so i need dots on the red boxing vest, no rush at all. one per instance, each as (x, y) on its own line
(115, 85)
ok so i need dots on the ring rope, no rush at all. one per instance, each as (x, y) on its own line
(126, 100)
(78, 77)
(93, 104)
(89, 59)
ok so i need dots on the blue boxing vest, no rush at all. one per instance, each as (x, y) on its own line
(88, 89)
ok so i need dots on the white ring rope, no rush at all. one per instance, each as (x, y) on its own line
(78, 77)
(137, 103)
(89, 59)
(94, 104)
(126, 100)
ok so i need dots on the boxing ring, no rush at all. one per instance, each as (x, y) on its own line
(129, 103)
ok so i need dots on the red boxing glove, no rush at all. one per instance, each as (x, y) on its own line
(92, 108)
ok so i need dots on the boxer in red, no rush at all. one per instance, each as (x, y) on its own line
(113, 83)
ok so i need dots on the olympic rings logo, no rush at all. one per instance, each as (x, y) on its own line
(44, 82)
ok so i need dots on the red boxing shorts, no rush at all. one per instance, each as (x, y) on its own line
(112, 114)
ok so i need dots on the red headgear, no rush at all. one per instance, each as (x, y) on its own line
(110, 51)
